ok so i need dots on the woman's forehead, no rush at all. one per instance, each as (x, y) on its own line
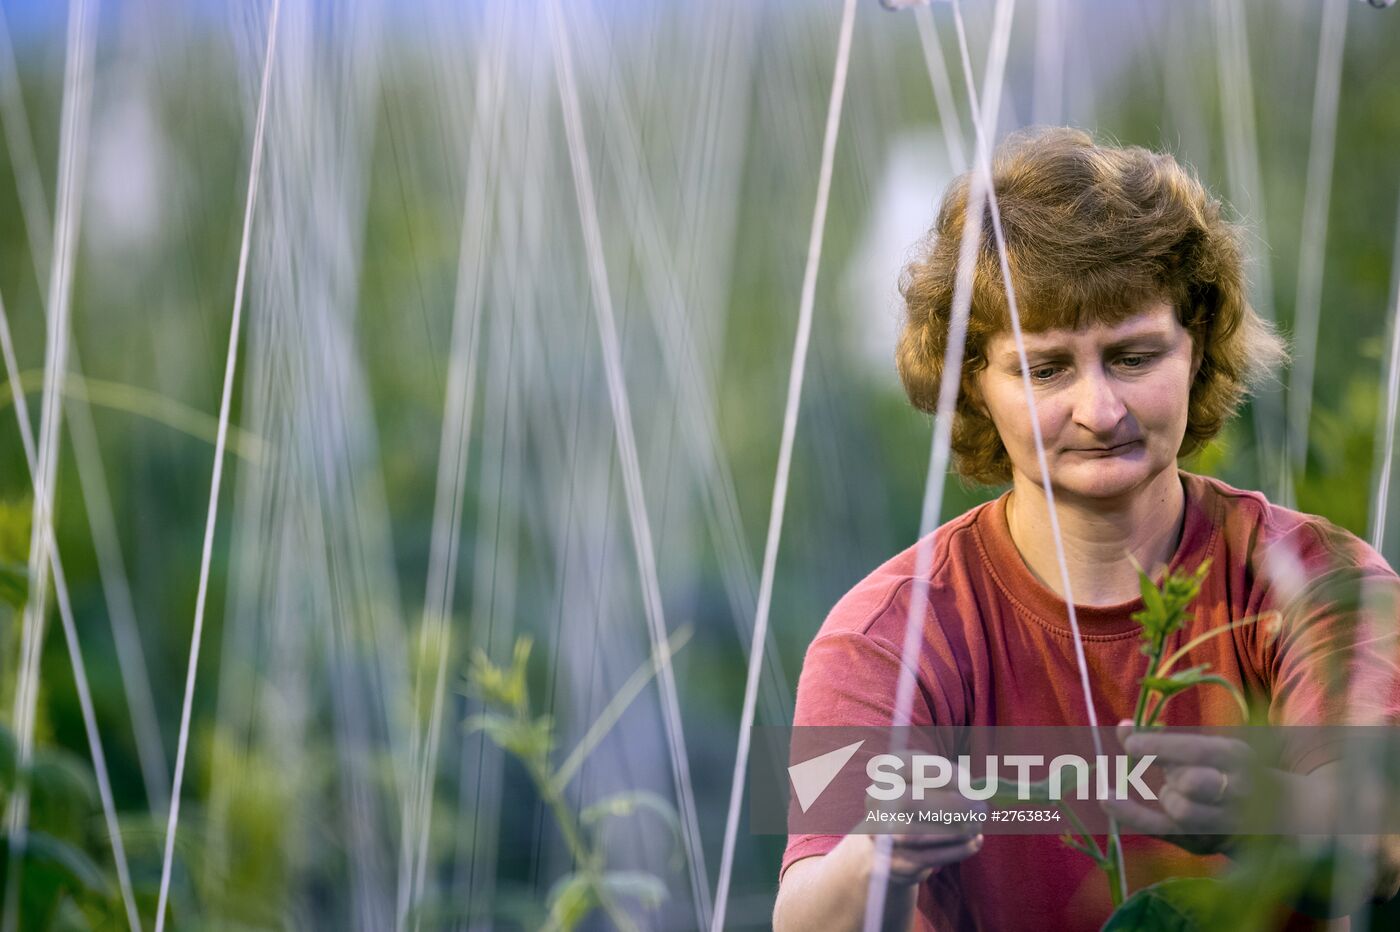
(1157, 321)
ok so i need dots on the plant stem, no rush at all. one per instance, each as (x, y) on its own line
(1154, 668)
(1107, 860)
(573, 837)
(1156, 712)
(618, 704)
(620, 919)
(1096, 852)
(1141, 704)
(1206, 636)
(1115, 880)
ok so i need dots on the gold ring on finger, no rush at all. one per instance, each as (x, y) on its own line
(1224, 785)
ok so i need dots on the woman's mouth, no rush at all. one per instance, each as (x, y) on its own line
(1114, 450)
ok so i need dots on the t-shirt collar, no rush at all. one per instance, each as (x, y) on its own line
(1008, 568)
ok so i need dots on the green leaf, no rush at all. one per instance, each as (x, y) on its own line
(14, 585)
(529, 739)
(14, 531)
(1194, 676)
(645, 888)
(80, 870)
(7, 758)
(500, 685)
(1175, 682)
(1165, 605)
(622, 805)
(1152, 597)
(1232, 689)
(1175, 905)
(64, 777)
(53, 871)
(571, 898)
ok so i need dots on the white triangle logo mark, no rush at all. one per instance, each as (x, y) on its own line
(811, 777)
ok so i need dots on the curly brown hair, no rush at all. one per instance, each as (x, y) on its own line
(1093, 234)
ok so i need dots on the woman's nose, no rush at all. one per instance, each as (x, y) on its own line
(1097, 407)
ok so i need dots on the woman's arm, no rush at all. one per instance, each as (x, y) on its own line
(1208, 776)
(829, 891)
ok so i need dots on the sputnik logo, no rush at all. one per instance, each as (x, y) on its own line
(811, 777)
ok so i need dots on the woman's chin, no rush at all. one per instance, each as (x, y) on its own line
(1104, 477)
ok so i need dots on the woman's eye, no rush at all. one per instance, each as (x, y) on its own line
(1044, 373)
(1132, 362)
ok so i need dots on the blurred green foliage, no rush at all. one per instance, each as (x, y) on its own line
(63, 886)
(591, 885)
(151, 322)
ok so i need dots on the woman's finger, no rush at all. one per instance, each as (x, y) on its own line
(913, 863)
(1195, 750)
(1205, 785)
(933, 840)
(1193, 817)
(942, 854)
(1140, 818)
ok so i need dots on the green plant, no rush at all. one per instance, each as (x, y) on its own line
(14, 585)
(1164, 613)
(1172, 903)
(509, 722)
(60, 883)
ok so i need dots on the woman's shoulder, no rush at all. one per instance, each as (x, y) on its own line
(937, 557)
(1257, 530)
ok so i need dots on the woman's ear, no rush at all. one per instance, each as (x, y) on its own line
(1198, 354)
(972, 391)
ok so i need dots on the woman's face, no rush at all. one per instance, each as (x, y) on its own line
(1111, 400)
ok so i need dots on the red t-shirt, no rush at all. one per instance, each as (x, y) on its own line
(998, 650)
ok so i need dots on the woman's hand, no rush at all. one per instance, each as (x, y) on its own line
(829, 891)
(1204, 778)
(914, 857)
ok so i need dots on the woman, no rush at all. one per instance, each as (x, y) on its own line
(1140, 346)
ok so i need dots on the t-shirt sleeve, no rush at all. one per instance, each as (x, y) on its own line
(1334, 658)
(850, 678)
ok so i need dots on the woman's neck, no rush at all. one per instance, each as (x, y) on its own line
(1098, 536)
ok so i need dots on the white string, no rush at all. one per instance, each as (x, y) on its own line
(1392, 405)
(453, 449)
(1308, 305)
(1242, 168)
(982, 133)
(517, 356)
(70, 634)
(54, 364)
(981, 118)
(950, 382)
(20, 145)
(780, 482)
(671, 313)
(627, 453)
(948, 120)
(77, 87)
(1356, 861)
(131, 662)
(206, 556)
